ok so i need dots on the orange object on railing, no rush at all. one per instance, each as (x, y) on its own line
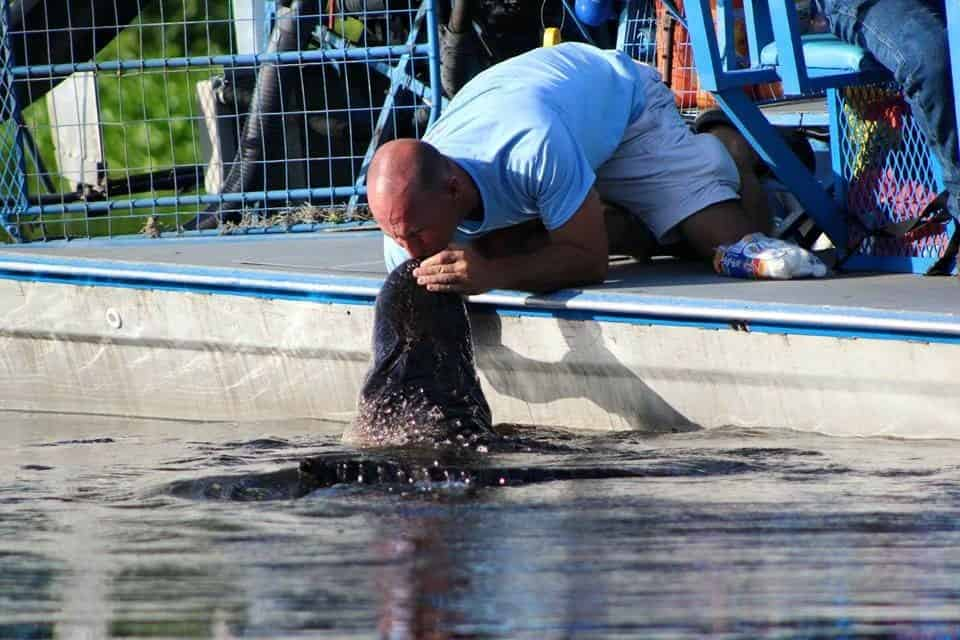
(675, 59)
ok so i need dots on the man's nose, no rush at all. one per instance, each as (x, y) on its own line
(413, 246)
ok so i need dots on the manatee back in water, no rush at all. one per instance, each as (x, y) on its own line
(422, 387)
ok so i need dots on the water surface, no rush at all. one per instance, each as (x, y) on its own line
(137, 529)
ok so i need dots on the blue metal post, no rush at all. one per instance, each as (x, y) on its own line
(773, 150)
(756, 15)
(726, 36)
(251, 19)
(792, 64)
(13, 182)
(953, 44)
(433, 44)
(623, 23)
(836, 142)
(703, 39)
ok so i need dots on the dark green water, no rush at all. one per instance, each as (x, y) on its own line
(728, 534)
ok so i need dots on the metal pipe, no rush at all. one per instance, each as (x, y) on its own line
(460, 16)
(384, 53)
(278, 195)
(436, 88)
(81, 28)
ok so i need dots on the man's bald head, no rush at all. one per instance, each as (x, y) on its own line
(405, 164)
(407, 189)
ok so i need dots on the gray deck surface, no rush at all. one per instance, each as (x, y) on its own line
(357, 254)
(810, 112)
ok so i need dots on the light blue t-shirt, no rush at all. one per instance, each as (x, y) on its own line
(532, 130)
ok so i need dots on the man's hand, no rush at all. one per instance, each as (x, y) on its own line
(458, 269)
(574, 254)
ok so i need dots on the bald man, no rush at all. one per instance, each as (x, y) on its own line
(504, 191)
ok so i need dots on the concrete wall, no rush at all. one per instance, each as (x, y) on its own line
(194, 356)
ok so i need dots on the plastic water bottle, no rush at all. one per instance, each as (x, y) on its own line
(757, 256)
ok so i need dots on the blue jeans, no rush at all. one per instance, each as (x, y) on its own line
(909, 38)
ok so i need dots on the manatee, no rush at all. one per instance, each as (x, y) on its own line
(422, 388)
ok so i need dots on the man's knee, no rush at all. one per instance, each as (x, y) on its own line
(736, 145)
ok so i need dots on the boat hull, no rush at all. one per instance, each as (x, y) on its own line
(188, 355)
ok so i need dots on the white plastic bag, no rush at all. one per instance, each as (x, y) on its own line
(759, 256)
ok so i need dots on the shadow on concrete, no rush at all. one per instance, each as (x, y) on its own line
(588, 370)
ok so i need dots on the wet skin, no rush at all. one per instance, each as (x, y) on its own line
(422, 388)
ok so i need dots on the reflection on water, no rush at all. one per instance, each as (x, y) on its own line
(115, 528)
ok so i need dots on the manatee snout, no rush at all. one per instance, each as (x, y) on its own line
(422, 387)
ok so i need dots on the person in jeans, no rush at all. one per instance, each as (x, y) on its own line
(909, 38)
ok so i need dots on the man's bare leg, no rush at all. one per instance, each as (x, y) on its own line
(753, 199)
(720, 223)
(727, 222)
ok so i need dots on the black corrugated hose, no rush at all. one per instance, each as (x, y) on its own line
(460, 55)
(262, 136)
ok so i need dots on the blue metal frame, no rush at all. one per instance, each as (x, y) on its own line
(796, 77)
(756, 15)
(886, 180)
(953, 44)
(707, 55)
(776, 21)
(14, 191)
(385, 52)
(390, 60)
(728, 89)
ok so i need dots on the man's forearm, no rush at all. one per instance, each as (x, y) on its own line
(555, 266)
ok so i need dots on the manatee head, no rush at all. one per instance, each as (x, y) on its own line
(422, 387)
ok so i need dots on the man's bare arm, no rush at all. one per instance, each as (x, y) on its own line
(576, 254)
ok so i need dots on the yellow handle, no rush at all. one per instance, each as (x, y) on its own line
(351, 29)
(551, 36)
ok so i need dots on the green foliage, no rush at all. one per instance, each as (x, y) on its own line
(151, 118)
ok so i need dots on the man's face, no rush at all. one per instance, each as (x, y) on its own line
(422, 228)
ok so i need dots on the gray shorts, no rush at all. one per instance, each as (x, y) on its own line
(662, 172)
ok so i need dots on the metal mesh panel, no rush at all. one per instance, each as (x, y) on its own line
(888, 173)
(651, 35)
(12, 185)
(638, 31)
(157, 116)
